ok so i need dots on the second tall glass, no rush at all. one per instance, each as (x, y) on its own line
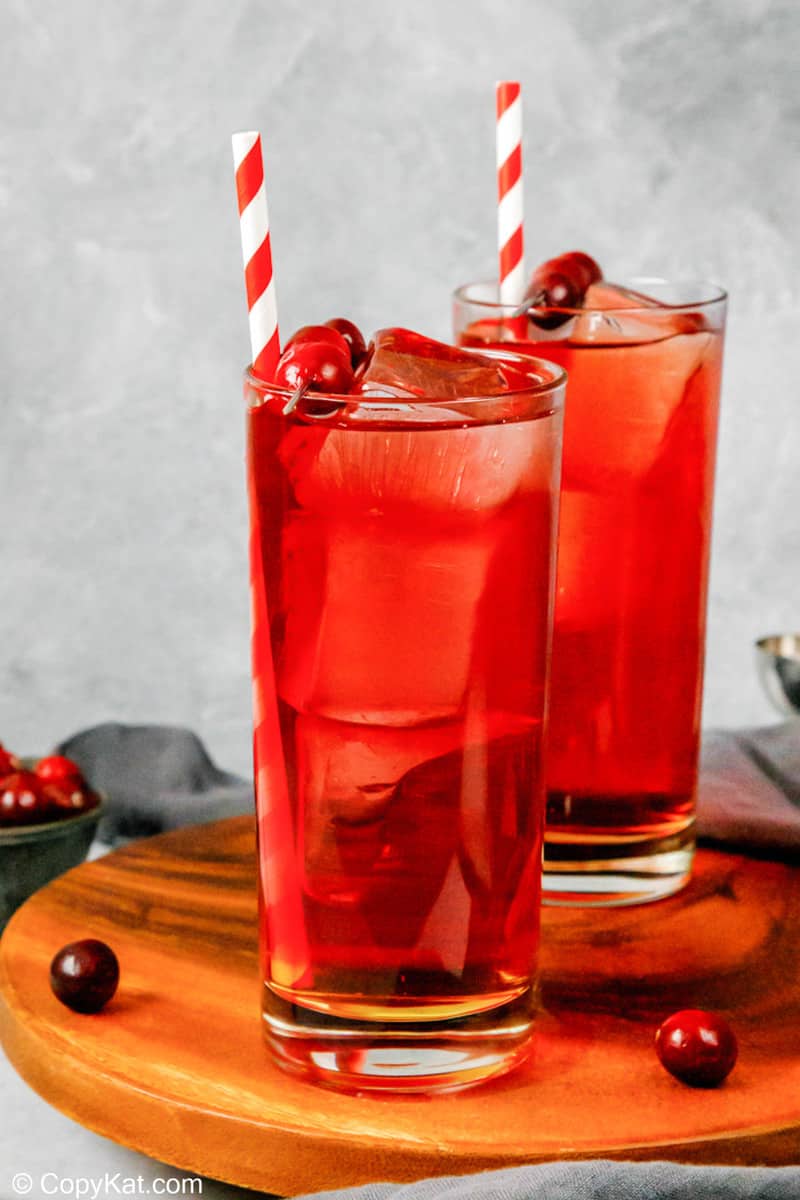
(644, 365)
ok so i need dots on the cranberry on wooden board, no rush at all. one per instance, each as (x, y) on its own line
(697, 1047)
(84, 975)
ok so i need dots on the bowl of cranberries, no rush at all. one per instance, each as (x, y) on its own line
(48, 818)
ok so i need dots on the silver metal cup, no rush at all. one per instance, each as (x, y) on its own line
(778, 660)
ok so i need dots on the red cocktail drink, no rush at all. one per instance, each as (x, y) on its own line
(403, 555)
(638, 467)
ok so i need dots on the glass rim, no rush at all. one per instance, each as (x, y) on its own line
(719, 296)
(553, 381)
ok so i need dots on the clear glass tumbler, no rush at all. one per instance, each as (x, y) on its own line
(402, 567)
(640, 426)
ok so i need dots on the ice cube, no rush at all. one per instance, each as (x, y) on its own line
(405, 364)
(347, 782)
(389, 562)
(424, 456)
(610, 295)
(614, 315)
(380, 619)
(386, 815)
(423, 471)
(621, 397)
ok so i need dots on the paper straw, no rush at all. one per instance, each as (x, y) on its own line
(256, 253)
(510, 211)
(280, 870)
(280, 892)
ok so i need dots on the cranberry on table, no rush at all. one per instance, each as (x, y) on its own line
(315, 367)
(56, 768)
(697, 1047)
(353, 336)
(24, 800)
(84, 975)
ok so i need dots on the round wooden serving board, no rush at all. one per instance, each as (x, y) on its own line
(176, 1067)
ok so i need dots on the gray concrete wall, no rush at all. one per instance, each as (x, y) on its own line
(662, 138)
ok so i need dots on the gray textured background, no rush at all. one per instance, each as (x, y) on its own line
(661, 138)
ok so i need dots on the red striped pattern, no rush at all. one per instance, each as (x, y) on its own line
(510, 172)
(249, 175)
(509, 192)
(258, 272)
(508, 91)
(266, 360)
(257, 253)
(284, 946)
(511, 254)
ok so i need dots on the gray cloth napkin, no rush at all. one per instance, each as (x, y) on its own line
(159, 777)
(156, 777)
(595, 1180)
(749, 796)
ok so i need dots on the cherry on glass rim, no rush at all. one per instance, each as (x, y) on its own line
(560, 283)
(318, 333)
(352, 336)
(84, 975)
(315, 367)
(697, 1047)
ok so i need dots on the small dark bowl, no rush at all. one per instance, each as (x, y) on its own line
(33, 855)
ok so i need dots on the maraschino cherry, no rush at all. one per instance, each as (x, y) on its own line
(315, 367)
(697, 1047)
(560, 283)
(318, 333)
(352, 336)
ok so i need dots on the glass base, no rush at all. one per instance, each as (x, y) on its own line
(419, 1056)
(604, 871)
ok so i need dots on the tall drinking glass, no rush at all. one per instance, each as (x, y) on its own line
(644, 365)
(402, 575)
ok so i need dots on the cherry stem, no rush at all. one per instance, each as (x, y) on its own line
(295, 398)
(528, 303)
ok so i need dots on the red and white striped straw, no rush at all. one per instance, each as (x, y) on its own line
(256, 253)
(281, 899)
(510, 212)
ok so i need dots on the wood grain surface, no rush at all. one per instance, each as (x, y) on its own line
(176, 1066)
